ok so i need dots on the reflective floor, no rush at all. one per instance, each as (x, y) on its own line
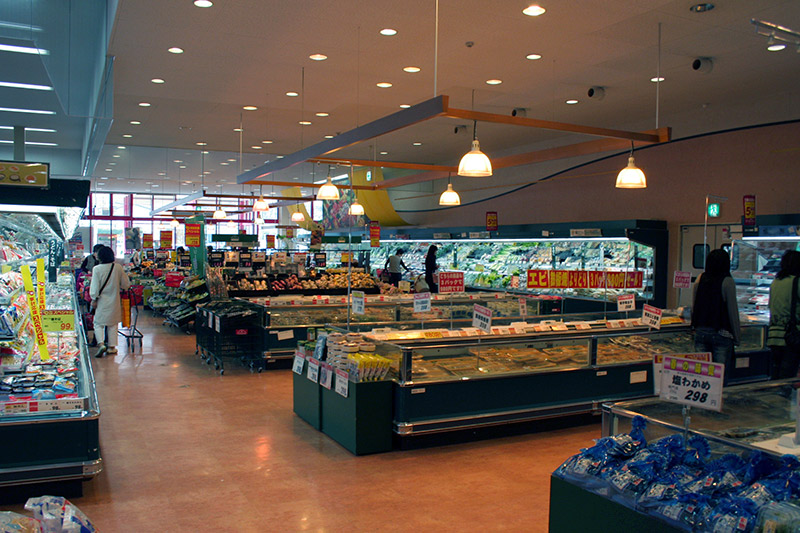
(186, 449)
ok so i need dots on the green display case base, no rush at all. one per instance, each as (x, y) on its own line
(306, 399)
(362, 422)
(575, 509)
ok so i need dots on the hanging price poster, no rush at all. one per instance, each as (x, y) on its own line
(523, 307)
(192, 235)
(270, 241)
(374, 234)
(41, 297)
(36, 317)
(626, 302)
(681, 280)
(165, 238)
(58, 320)
(693, 383)
(491, 221)
(749, 206)
(147, 240)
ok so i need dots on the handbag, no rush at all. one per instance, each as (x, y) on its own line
(94, 302)
(792, 334)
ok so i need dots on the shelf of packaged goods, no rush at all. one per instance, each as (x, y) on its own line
(11, 298)
(17, 329)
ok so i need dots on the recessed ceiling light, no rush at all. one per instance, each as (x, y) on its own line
(411, 69)
(208, 172)
(225, 163)
(203, 3)
(116, 155)
(388, 32)
(304, 123)
(177, 161)
(127, 135)
(534, 10)
(112, 163)
(404, 106)
(256, 147)
(292, 93)
(182, 166)
(238, 129)
(571, 102)
(776, 47)
(249, 108)
(329, 136)
(157, 81)
(187, 182)
(175, 50)
(417, 144)
(23, 49)
(135, 122)
(24, 110)
(702, 7)
(657, 79)
(109, 170)
(201, 143)
(533, 57)
(384, 153)
(162, 173)
(156, 185)
(322, 114)
(318, 57)
(13, 85)
(121, 147)
(232, 159)
(384, 84)
(494, 82)
(144, 104)
(103, 177)
(278, 157)
(205, 152)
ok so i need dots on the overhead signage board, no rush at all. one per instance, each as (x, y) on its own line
(21, 174)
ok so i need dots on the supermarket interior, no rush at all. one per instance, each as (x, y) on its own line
(312, 266)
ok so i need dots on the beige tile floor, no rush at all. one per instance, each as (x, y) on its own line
(188, 450)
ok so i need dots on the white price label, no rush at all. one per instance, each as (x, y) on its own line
(313, 370)
(626, 302)
(582, 325)
(523, 307)
(342, 382)
(691, 382)
(65, 404)
(359, 303)
(422, 302)
(15, 408)
(325, 375)
(217, 324)
(651, 316)
(299, 360)
(285, 335)
(210, 320)
(482, 318)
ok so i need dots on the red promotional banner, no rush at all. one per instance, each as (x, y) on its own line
(192, 235)
(173, 279)
(491, 221)
(166, 239)
(749, 204)
(270, 241)
(584, 279)
(147, 240)
(374, 234)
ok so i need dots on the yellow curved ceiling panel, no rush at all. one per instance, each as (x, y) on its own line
(377, 204)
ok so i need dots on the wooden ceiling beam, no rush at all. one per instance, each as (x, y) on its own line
(384, 164)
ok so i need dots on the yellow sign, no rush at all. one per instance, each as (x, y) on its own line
(57, 320)
(41, 296)
(18, 174)
(36, 317)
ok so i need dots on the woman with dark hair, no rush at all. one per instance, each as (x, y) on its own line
(431, 267)
(108, 278)
(784, 360)
(715, 313)
(91, 260)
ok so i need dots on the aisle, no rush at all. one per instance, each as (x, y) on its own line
(188, 450)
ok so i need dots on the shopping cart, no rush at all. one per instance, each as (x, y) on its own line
(131, 300)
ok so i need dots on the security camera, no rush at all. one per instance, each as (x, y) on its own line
(519, 112)
(703, 64)
(596, 93)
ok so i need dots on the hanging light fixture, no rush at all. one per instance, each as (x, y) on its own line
(356, 209)
(475, 164)
(298, 216)
(631, 177)
(220, 213)
(174, 223)
(260, 204)
(449, 197)
(329, 190)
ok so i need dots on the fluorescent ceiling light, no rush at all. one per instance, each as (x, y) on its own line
(29, 208)
(157, 81)
(30, 143)
(144, 104)
(657, 79)
(329, 136)
(322, 114)
(266, 141)
(238, 129)
(304, 123)
(23, 49)
(127, 135)
(773, 239)
(417, 144)
(116, 155)
(203, 3)
(121, 147)
(45, 130)
(135, 122)
(31, 86)
(256, 147)
(404, 106)
(384, 153)
(225, 163)
(335, 178)
(23, 110)
(292, 93)
(18, 26)
(201, 143)
(571, 102)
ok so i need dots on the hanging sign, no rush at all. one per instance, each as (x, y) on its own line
(21, 174)
(165, 238)
(36, 317)
(41, 297)
(193, 235)
(58, 320)
(584, 279)
(693, 383)
(374, 234)
(359, 303)
(422, 302)
(290, 233)
(749, 206)
(270, 241)
(450, 282)
(342, 382)
(681, 280)
(651, 316)
(147, 240)
(626, 302)
(491, 221)
(482, 318)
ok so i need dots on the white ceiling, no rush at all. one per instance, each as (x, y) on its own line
(241, 53)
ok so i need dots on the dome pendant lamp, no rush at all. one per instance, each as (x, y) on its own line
(298, 216)
(356, 209)
(475, 164)
(449, 197)
(174, 223)
(329, 190)
(260, 204)
(631, 177)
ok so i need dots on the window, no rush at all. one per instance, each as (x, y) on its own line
(101, 204)
(699, 254)
(120, 205)
(142, 205)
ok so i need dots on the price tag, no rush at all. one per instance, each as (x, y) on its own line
(432, 334)
(66, 404)
(299, 360)
(482, 318)
(422, 302)
(210, 320)
(559, 326)
(313, 370)
(626, 302)
(404, 286)
(342, 382)
(693, 383)
(658, 366)
(615, 324)
(57, 320)
(15, 408)
(582, 325)
(651, 316)
(285, 335)
(359, 303)
(217, 326)
(325, 375)
(541, 328)
(523, 307)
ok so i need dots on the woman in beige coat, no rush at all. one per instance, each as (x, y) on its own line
(108, 278)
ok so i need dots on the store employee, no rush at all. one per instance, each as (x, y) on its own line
(395, 263)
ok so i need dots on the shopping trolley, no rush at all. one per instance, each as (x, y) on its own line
(131, 300)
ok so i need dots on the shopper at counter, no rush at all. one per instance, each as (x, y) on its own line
(715, 312)
(108, 278)
(394, 263)
(784, 360)
(430, 268)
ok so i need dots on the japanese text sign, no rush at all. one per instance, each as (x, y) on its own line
(626, 302)
(359, 301)
(422, 302)
(681, 280)
(482, 318)
(693, 383)
(651, 316)
(450, 282)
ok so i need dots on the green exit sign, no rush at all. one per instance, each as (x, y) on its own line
(713, 210)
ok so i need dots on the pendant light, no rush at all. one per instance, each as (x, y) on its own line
(298, 216)
(174, 223)
(329, 190)
(631, 177)
(449, 197)
(260, 204)
(356, 209)
(475, 164)
(220, 213)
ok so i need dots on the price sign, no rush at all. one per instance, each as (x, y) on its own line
(347, 257)
(342, 382)
(147, 240)
(165, 238)
(681, 280)
(320, 259)
(57, 320)
(422, 302)
(359, 303)
(280, 257)
(658, 366)
(693, 383)
(326, 375)
(404, 286)
(374, 234)
(36, 317)
(523, 307)
(582, 325)
(192, 235)
(491, 221)
(313, 370)
(482, 318)
(450, 282)
(270, 241)
(299, 360)
(749, 206)
(651, 316)
(626, 302)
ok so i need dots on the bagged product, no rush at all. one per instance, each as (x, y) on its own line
(58, 515)
(778, 517)
(16, 523)
(732, 515)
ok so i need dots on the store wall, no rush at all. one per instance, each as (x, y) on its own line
(764, 161)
